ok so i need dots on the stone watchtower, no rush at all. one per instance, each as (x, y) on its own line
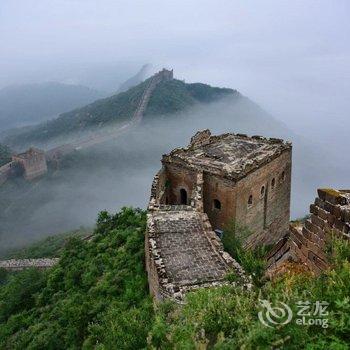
(33, 163)
(245, 179)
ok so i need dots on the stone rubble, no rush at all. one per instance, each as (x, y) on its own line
(20, 264)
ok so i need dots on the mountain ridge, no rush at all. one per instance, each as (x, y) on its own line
(169, 97)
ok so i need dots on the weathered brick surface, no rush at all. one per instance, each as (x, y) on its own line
(235, 168)
(224, 190)
(187, 254)
(330, 216)
(268, 216)
(183, 253)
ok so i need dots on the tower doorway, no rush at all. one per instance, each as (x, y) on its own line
(183, 196)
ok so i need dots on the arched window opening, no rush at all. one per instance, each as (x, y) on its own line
(217, 204)
(183, 196)
(250, 200)
(273, 183)
(262, 191)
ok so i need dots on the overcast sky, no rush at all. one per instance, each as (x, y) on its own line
(292, 57)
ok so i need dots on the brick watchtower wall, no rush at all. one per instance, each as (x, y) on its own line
(33, 163)
(245, 179)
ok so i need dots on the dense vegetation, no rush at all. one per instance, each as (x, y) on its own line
(97, 298)
(5, 154)
(175, 95)
(252, 261)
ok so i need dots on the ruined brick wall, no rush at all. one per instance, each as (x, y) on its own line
(196, 200)
(178, 178)
(200, 138)
(150, 261)
(306, 244)
(219, 189)
(268, 188)
(158, 189)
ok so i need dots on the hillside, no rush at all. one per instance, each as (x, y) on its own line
(168, 97)
(29, 104)
(5, 154)
(97, 297)
(175, 96)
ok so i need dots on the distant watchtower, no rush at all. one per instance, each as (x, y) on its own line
(33, 163)
(245, 179)
(166, 74)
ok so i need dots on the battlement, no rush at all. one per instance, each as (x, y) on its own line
(232, 156)
(306, 244)
(33, 163)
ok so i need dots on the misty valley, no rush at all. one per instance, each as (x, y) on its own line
(118, 172)
(174, 175)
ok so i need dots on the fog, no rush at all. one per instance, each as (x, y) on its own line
(291, 57)
(120, 172)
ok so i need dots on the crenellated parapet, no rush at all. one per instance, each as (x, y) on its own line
(306, 244)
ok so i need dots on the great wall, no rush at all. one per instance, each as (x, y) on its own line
(20, 264)
(214, 180)
(33, 163)
(203, 187)
(305, 244)
(97, 138)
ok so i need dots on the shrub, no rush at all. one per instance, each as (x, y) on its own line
(97, 296)
(227, 317)
(252, 261)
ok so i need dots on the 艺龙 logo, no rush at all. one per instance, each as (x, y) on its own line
(274, 315)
